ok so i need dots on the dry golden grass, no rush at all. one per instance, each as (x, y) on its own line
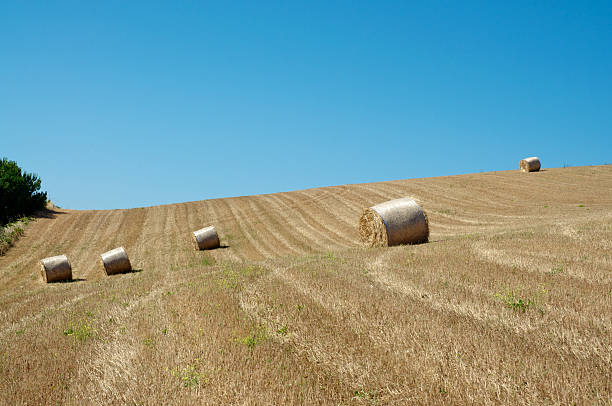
(509, 303)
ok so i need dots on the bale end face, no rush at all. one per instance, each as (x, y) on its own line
(372, 229)
(194, 240)
(43, 272)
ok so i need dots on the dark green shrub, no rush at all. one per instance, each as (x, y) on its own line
(19, 192)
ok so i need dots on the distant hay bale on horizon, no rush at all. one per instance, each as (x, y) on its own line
(395, 222)
(115, 261)
(55, 269)
(531, 164)
(206, 238)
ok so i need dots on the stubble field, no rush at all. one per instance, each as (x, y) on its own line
(509, 303)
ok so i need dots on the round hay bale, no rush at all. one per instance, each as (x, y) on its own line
(56, 269)
(399, 221)
(531, 164)
(116, 261)
(206, 238)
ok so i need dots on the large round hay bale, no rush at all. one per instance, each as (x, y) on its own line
(56, 269)
(116, 261)
(399, 221)
(206, 238)
(531, 164)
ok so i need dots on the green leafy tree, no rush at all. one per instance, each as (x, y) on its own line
(19, 192)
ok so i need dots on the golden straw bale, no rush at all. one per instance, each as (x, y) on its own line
(116, 261)
(531, 164)
(399, 221)
(206, 238)
(56, 268)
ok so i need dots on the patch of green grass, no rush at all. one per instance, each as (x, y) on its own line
(555, 270)
(234, 276)
(11, 232)
(514, 302)
(81, 330)
(581, 205)
(255, 337)
(189, 376)
(63, 381)
(206, 261)
(370, 395)
(283, 330)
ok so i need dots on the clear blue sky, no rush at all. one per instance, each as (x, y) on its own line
(121, 104)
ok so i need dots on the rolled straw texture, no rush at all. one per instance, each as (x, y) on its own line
(531, 164)
(56, 268)
(116, 261)
(399, 221)
(206, 238)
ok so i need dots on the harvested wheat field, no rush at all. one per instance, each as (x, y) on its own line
(510, 302)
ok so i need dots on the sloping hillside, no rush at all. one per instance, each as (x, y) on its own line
(510, 302)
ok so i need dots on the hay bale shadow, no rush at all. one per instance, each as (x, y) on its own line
(126, 272)
(47, 214)
(69, 281)
(220, 247)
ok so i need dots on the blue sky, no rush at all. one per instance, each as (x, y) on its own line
(126, 104)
